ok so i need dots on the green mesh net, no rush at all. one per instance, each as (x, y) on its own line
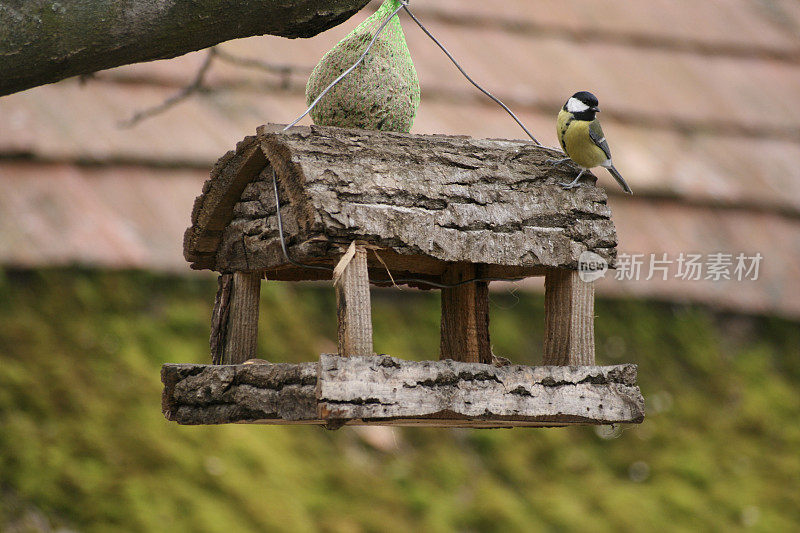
(382, 93)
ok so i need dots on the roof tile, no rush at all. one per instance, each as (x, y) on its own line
(703, 129)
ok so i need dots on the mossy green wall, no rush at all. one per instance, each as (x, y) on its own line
(82, 437)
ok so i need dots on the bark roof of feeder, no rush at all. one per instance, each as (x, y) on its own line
(423, 200)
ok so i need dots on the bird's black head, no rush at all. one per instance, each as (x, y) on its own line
(583, 105)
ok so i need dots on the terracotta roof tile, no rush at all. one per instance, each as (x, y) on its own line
(67, 121)
(700, 126)
(704, 168)
(720, 21)
(648, 226)
(50, 122)
(113, 217)
(628, 80)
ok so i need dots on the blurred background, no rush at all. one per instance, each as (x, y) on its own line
(700, 107)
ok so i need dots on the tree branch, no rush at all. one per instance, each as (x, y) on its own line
(44, 41)
(195, 86)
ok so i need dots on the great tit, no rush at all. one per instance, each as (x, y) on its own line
(582, 138)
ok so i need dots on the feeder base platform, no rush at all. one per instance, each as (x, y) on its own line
(383, 390)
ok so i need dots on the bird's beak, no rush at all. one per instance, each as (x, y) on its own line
(595, 109)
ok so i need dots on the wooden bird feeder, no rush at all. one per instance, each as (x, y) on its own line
(442, 209)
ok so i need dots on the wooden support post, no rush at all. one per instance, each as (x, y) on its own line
(465, 317)
(353, 307)
(568, 319)
(241, 328)
(219, 318)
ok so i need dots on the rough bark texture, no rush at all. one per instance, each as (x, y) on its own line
(216, 394)
(465, 317)
(385, 390)
(45, 41)
(569, 319)
(426, 200)
(214, 208)
(353, 308)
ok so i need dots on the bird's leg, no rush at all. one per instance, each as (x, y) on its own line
(574, 183)
(554, 162)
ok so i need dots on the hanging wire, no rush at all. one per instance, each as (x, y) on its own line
(461, 70)
(280, 230)
(403, 5)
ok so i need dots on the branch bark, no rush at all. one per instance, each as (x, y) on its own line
(46, 41)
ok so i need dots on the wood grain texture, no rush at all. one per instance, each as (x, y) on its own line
(465, 316)
(385, 390)
(425, 200)
(219, 318)
(569, 319)
(353, 307)
(241, 337)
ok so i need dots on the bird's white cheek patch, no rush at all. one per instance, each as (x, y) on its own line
(576, 106)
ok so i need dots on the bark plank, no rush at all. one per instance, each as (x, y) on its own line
(424, 200)
(385, 390)
(385, 387)
(219, 394)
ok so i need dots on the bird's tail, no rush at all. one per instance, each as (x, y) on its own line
(620, 179)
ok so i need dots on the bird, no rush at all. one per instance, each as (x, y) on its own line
(582, 138)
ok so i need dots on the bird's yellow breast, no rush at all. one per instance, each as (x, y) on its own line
(561, 127)
(573, 135)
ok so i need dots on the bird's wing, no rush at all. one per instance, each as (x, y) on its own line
(599, 138)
